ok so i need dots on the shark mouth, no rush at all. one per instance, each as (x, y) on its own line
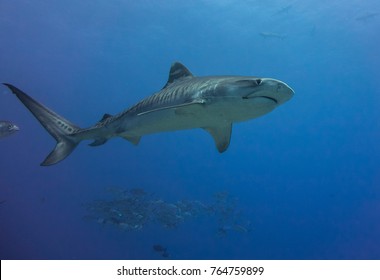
(270, 98)
(266, 97)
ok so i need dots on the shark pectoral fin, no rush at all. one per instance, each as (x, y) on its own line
(135, 140)
(221, 135)
(98, 142)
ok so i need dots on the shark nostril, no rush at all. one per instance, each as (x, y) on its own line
(258, 81)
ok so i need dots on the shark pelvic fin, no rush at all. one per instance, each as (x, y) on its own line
(135, 140)
(221, 135)
(177, 72)
(61, 129)
(98, 142)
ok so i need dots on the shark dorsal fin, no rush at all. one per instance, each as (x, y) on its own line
(177, 72)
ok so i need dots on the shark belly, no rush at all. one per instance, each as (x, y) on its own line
(195, 116)
(165, 120)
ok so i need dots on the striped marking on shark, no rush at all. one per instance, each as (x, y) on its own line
(185, 102)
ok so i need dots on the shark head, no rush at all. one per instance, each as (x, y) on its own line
(251, 97)
(271, 89)
(253, 89)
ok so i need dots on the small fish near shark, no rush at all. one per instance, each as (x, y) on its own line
(367, 17)
(266, 35)
(185, 102)
(7, 128)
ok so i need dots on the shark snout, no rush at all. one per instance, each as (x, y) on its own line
(277, 90)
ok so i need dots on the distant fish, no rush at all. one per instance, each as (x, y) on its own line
(137, 192)
(272, 35)
(162, 250)
(165, 254)
(240, 228)
(159, 248)
(367, 16)
(283, 10)
(7, 128)
(222, 231)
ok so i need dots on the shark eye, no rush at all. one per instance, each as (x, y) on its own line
(248, 82)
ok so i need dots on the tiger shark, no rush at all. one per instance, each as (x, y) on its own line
(212, 103)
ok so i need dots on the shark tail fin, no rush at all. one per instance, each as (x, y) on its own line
(58, 127)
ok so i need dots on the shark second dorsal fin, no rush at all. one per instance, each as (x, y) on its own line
(105, 116)
(177, 71)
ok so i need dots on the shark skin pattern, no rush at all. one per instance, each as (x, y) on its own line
(212, 103)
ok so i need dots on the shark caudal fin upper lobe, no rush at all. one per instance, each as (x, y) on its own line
(58, 127)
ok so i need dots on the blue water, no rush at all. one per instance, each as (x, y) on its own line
(306, 176)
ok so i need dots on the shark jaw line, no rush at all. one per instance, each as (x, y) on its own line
(267, 97)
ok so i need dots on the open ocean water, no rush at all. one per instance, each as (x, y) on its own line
(302, 182)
